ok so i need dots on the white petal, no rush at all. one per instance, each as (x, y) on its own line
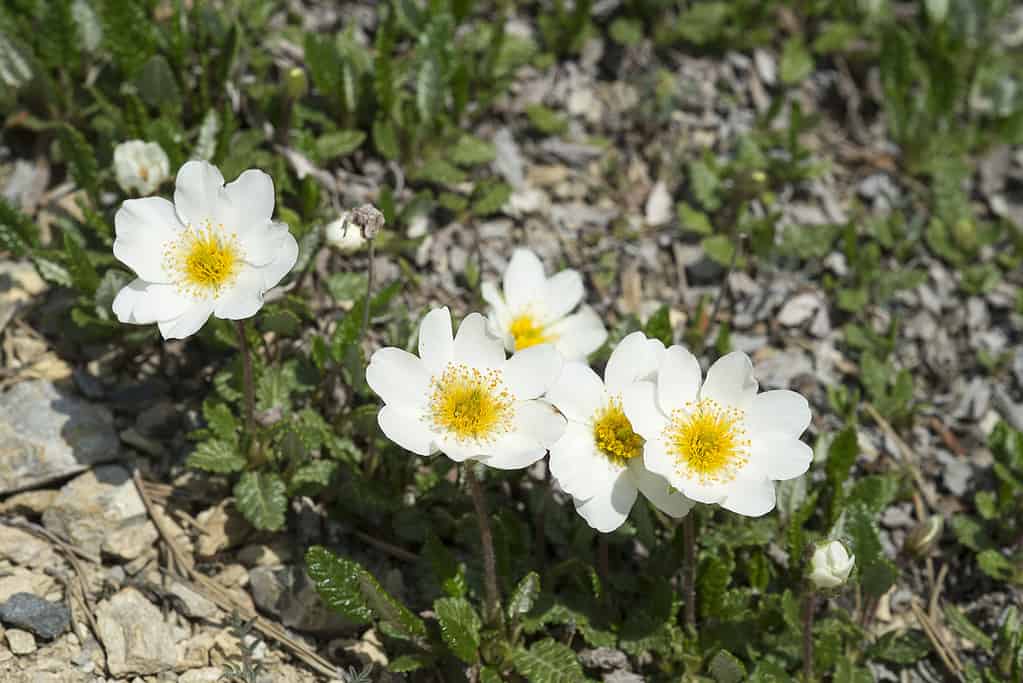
(578, 392)
(678, 379)
(658, 491)
(701, 493)
(475, 346)
(564, 291)
(609, 509)
(490, 294)
(635, 358)
(252, 196)
(498, 316)
(579, 334)
(535, 428)
(143, 227)
(284, 258)
(141, 303)
(752, 499)
(406, 429)
(189, 322)
(243, 299)
(580, 469)
(781, 411)
(730, 381)
(659, 462)
(399, 378)
(530, 371)
(199, 195)
(436, 343)
(639, 400)
(524, 279)
(458, 450)
(782, 457)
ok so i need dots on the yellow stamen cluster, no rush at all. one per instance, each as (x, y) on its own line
(613, 434)
(708, 441)
(528, 332)
(205, 260)
(472, 404)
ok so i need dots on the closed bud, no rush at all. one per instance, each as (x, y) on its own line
(296, 84)
(344, 235)
(924, 536)
(831, 565)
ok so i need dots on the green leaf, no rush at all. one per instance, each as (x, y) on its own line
(385, 139)
(459, 626)
(994, 564)
(847, 672)
(796, 61)
(428, 89)
(471, 151)
(625, 31)
(440, 172)
(659, 326)
(692, 220)
(546, 120)
(408, 663)
(220, 420)
(315, 475)
(719, 248)
(725, 667)
(489, 675)
(262, 498)
(127, 32)
(347, 286)
(713, 577)
(491, 199)
(83, 273)
(14, 67)
(445, 569)
(282, 322)
(156, 84)
(547, 661)
(705, 183)
(876, 572)
(337, 580)
(323, 63)
(961, 624)
(80, 159)
(900, 648)
(524, 596)
(217, 456)
(338, 144)
(18, 233)
(971, 533)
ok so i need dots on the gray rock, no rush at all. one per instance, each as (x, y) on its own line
(508, 160)
(193, 604)
(799, 309)
(30, 612)
(135, 636)
(288, 593)
(777, 371)
(102, 510)
(20, 642)
(47, 434)
(604, 658)
(658, 205)
(19, 283)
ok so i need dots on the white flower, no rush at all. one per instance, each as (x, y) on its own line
(463, 398)
(534, 309)
(720, 442)
(141, 166)
(344, 235)
(599, 459)
(831, 565)
(213, 251)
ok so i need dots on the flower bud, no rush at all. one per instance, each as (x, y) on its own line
(296, 84)
(140, 166)
(369, 219)
(924, 535)
(344, 235)
(831, 565)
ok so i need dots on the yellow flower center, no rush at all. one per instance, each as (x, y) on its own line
(528, 332)
(205, 260)
(472, 404)
(708, 441)
(613, 434)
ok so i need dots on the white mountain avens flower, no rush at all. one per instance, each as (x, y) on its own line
(462, 397)
(536, 309)
(831, 565)
(215, 250)
(344, 235)
(140, 166)
(719, 441)
(599, 460)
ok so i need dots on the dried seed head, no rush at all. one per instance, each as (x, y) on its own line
(369, 219)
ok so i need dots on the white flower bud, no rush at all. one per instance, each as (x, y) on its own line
(344, 235)
(141, 166)
(831, 565)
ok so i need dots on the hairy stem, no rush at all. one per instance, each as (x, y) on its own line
(247, 387)
(809, 602)
(689, 569)
(492, 594)
(369, 290)
(603, 560)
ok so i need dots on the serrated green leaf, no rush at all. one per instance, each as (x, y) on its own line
(18, 233)
(489, 675)
(547, 661)
(337, 580)
(719, 248)
(971, 533)
(316, 474)
(724, 667)
(408, 663)
(847, 672)
(338, 144)
(127, 33)
(491, 199)
(876, 572)
(471, 151)
(324, 66)
(14, 66)
(961, 624)
(83, 273)
(156, 84)
(994, 564)
(796, 61)
(692, 220)
(262, 499)
(80, 159)
(281, 322)
(217, 456)
(459, 626)
(900, 648)
(713, 577)
(220, 420)
(524, 596)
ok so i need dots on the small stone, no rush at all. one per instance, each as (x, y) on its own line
(658, 205)
(29, 503)
(43, 618)
(136, 638)
(20, 642)
(288, 593)
(209, 674)
(508, 161)
(222, 527)
(47, 434)
(21, 547)
(193, 604)
(799, 309)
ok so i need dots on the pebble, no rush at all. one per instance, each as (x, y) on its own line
(136, 638)
(30, 612)
(20, 642)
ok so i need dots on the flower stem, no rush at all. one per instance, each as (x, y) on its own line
(689, 570)
(603, 560)
(492, 595)
(247, 387)
(369, 290)
(809, 602)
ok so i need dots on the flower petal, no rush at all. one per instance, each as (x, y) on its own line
(579, 468)
(252, 196)
(407, 430)
(563, 292)
(530, 372)
(658, 491)
(578, 392)
(524, 279)
(609, 509)
(141, 303)
(659, 462)
(199, 195)
(458, 450)
(639, 400)
(781, 411)
(781, 456)
(436, 343)
(189, 322)
(143, 227)
(284, 258)
(399, 378)
(635, 358)
(578, 335)
(243, 299)
(475, 346)
(678, 379)
(730, 381)
(750, 498)
(535, 428)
